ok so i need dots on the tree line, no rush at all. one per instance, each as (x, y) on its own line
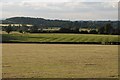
(65, 26)
(72, 27)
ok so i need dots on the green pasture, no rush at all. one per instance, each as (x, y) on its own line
(56, 37)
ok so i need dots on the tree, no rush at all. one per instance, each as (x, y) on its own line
(93, 32)
(20, 31)
(34, 29)
(23, 28)
(75, 26)
(84, 32)
(101, 30)
(8, 28)
(108, 29)
(64, 30)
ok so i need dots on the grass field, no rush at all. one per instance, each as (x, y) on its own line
(59, 61)
(15, 37)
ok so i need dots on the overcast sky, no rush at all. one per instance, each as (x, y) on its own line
(61, 9)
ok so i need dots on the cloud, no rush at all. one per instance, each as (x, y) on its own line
(61, 10)
(71, 0)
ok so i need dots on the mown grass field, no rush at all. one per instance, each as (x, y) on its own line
(54, 37)
(59, 61)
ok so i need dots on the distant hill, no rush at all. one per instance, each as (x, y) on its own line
(26, 20)
(34, 21)
(58, 23)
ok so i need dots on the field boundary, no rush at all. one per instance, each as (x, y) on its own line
(101, 43)
(60, 79)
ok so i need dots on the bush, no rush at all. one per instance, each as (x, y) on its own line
(21, 31)
(93, 32)
(84, 32)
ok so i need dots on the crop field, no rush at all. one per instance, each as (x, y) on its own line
(59, 60)
(54, 37)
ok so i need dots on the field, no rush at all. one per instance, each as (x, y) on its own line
(59, 61)
(54, 37)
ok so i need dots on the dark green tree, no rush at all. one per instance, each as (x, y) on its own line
(101, 30)
(108, 29)
(34, 29)
(9, 28)
(93, 32)
(76, 26)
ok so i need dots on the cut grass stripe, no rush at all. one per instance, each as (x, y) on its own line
(60, 38)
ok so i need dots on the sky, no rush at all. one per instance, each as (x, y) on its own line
(60, 9)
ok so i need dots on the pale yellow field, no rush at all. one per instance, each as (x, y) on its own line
(60, 61)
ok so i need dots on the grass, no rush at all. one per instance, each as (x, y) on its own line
(59, 60)
(59, 38)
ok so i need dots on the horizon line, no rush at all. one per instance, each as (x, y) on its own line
(62, 19)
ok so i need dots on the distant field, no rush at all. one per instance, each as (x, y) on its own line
(15, 37)
(59, 61)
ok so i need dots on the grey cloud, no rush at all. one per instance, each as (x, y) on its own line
(64, 10)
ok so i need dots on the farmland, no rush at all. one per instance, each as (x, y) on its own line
(56, 37)
(59, 61)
